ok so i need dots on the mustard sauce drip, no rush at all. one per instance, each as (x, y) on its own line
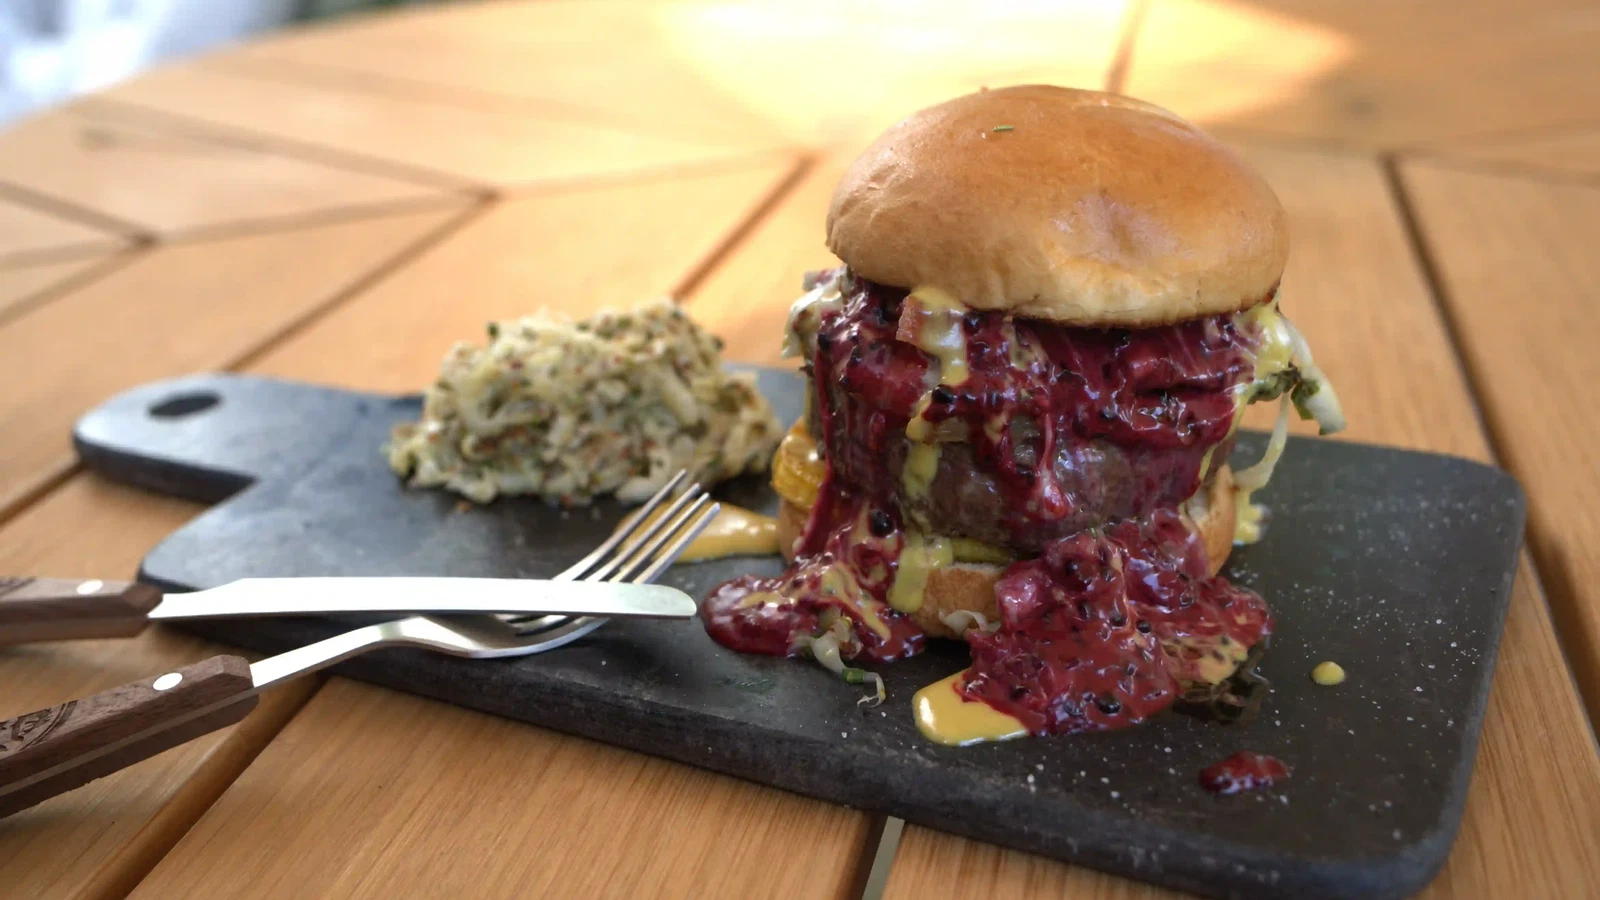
(735, 531)
(945, 717)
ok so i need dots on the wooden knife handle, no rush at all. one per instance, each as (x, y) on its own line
(54, 750)
(58, 609)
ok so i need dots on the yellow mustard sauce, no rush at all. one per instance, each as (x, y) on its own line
(918, 558)
(735, 531)
(921, 465)
(940, 336)
(945, 717)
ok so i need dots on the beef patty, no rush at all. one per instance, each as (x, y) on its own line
(1084, 428)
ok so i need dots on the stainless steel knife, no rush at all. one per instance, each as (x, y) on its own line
(48, 609)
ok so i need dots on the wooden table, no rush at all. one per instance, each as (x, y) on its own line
(341, 204)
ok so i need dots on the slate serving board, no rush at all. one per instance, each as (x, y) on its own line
(1396, 564)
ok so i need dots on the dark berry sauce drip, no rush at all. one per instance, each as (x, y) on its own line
(1243, 771)
(1104, 630)
(844, 566)
(1038, 407)
(1106, 626)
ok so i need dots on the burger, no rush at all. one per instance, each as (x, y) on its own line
(1023, 387)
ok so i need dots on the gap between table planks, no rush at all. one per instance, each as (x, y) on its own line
(1370, 73)
(29, 235)
(418, 135)
(1514, 258)
(202, 306)
(167, 182)
(392, 337)
(24, 287)
(98, 841)
(1356, 289)
(759, 76)
(1561, 155)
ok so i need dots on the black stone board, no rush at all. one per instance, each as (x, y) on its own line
(1398, 565)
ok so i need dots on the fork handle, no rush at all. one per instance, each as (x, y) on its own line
(58, 609)
(54, 750)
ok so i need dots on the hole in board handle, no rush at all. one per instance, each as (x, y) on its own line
(181, 405)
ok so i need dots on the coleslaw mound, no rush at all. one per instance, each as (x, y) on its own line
(570, 411)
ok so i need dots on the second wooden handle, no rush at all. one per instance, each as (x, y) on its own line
(54, 750)
(55, 609)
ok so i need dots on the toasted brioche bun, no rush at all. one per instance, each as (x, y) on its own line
(1084, 208)
(970, 586)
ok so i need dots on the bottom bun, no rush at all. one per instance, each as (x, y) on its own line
(970, 586)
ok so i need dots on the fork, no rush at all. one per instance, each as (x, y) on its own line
(55, 750)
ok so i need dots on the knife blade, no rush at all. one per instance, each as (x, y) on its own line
(437, 596)
(40, 609)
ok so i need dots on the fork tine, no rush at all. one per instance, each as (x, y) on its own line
(630, 547)
(668, 522)
(624, 531)
(685, 538)
(647, 552)
(563, 630)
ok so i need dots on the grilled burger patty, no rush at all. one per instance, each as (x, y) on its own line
(1128, 421)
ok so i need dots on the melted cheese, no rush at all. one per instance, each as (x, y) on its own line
(1247, 515)
(968, 550)
(918, 427)
(938, 334)
(804, 313)
(1247, 518)
(837, 582)
(919, 556)
(1214, 662)
(1276, 350)
(944, 716)
(1205, 461)
(922, 463)
(1279, 349)
(761, 598)
(735, 531)
(995, 426)
(1021, 352)
(941, 336)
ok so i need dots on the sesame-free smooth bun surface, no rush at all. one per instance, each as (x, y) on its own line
(1081, 207)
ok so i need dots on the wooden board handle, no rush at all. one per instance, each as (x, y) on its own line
(54, 750)
(58, 609)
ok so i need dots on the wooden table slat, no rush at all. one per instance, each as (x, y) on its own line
(30, 235)
(746, 299)
(98, 841)
(778, 72)
(21, 286)
(422, 137)
(1517, 264)
(173, 310)
(595, 248)
(168, 180)
(1545, 154)
(1371, 73)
